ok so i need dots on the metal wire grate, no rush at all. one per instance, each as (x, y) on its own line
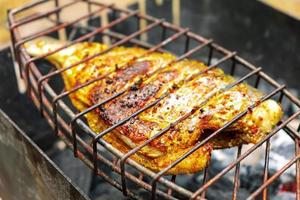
(90, 146)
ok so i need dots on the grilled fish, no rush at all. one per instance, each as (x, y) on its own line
(193, 102)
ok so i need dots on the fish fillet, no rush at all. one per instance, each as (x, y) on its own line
(189, 91)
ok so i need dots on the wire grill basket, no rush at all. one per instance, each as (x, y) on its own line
(155, 35)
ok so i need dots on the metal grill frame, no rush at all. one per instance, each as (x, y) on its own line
(48, 101)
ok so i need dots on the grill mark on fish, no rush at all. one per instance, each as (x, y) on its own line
(137, 68)
(132, 101)
(106, 88)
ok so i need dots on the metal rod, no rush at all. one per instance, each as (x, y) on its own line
(266, 168)
(27, 6)
(297, 152)
(232, 68)
(57, 13)
(257, 82)
(163, 33)
(236, 181)
(194, 50)
(231, 55)
(173, 179)
(16, 60)
(59, 26)
(42, 15)
(119, 36)
(205, 177)
(210, 54)
(187, 43)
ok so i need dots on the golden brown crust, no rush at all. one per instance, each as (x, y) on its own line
(152, 76)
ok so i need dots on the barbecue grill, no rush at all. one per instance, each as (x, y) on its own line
(43, 85)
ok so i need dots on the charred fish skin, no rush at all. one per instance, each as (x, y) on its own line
(158, 74)
(210, 117)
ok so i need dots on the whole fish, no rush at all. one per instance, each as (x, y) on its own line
(194, 102)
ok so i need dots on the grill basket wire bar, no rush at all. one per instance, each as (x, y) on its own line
(266, 168)
(31, 18)
(177, 188)
(60, 26)
(173, 179)
(297, 152)
(26, 6)
(205, 177)
(236, 175)
(58, 13)
(64, 94)
(14, 55)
